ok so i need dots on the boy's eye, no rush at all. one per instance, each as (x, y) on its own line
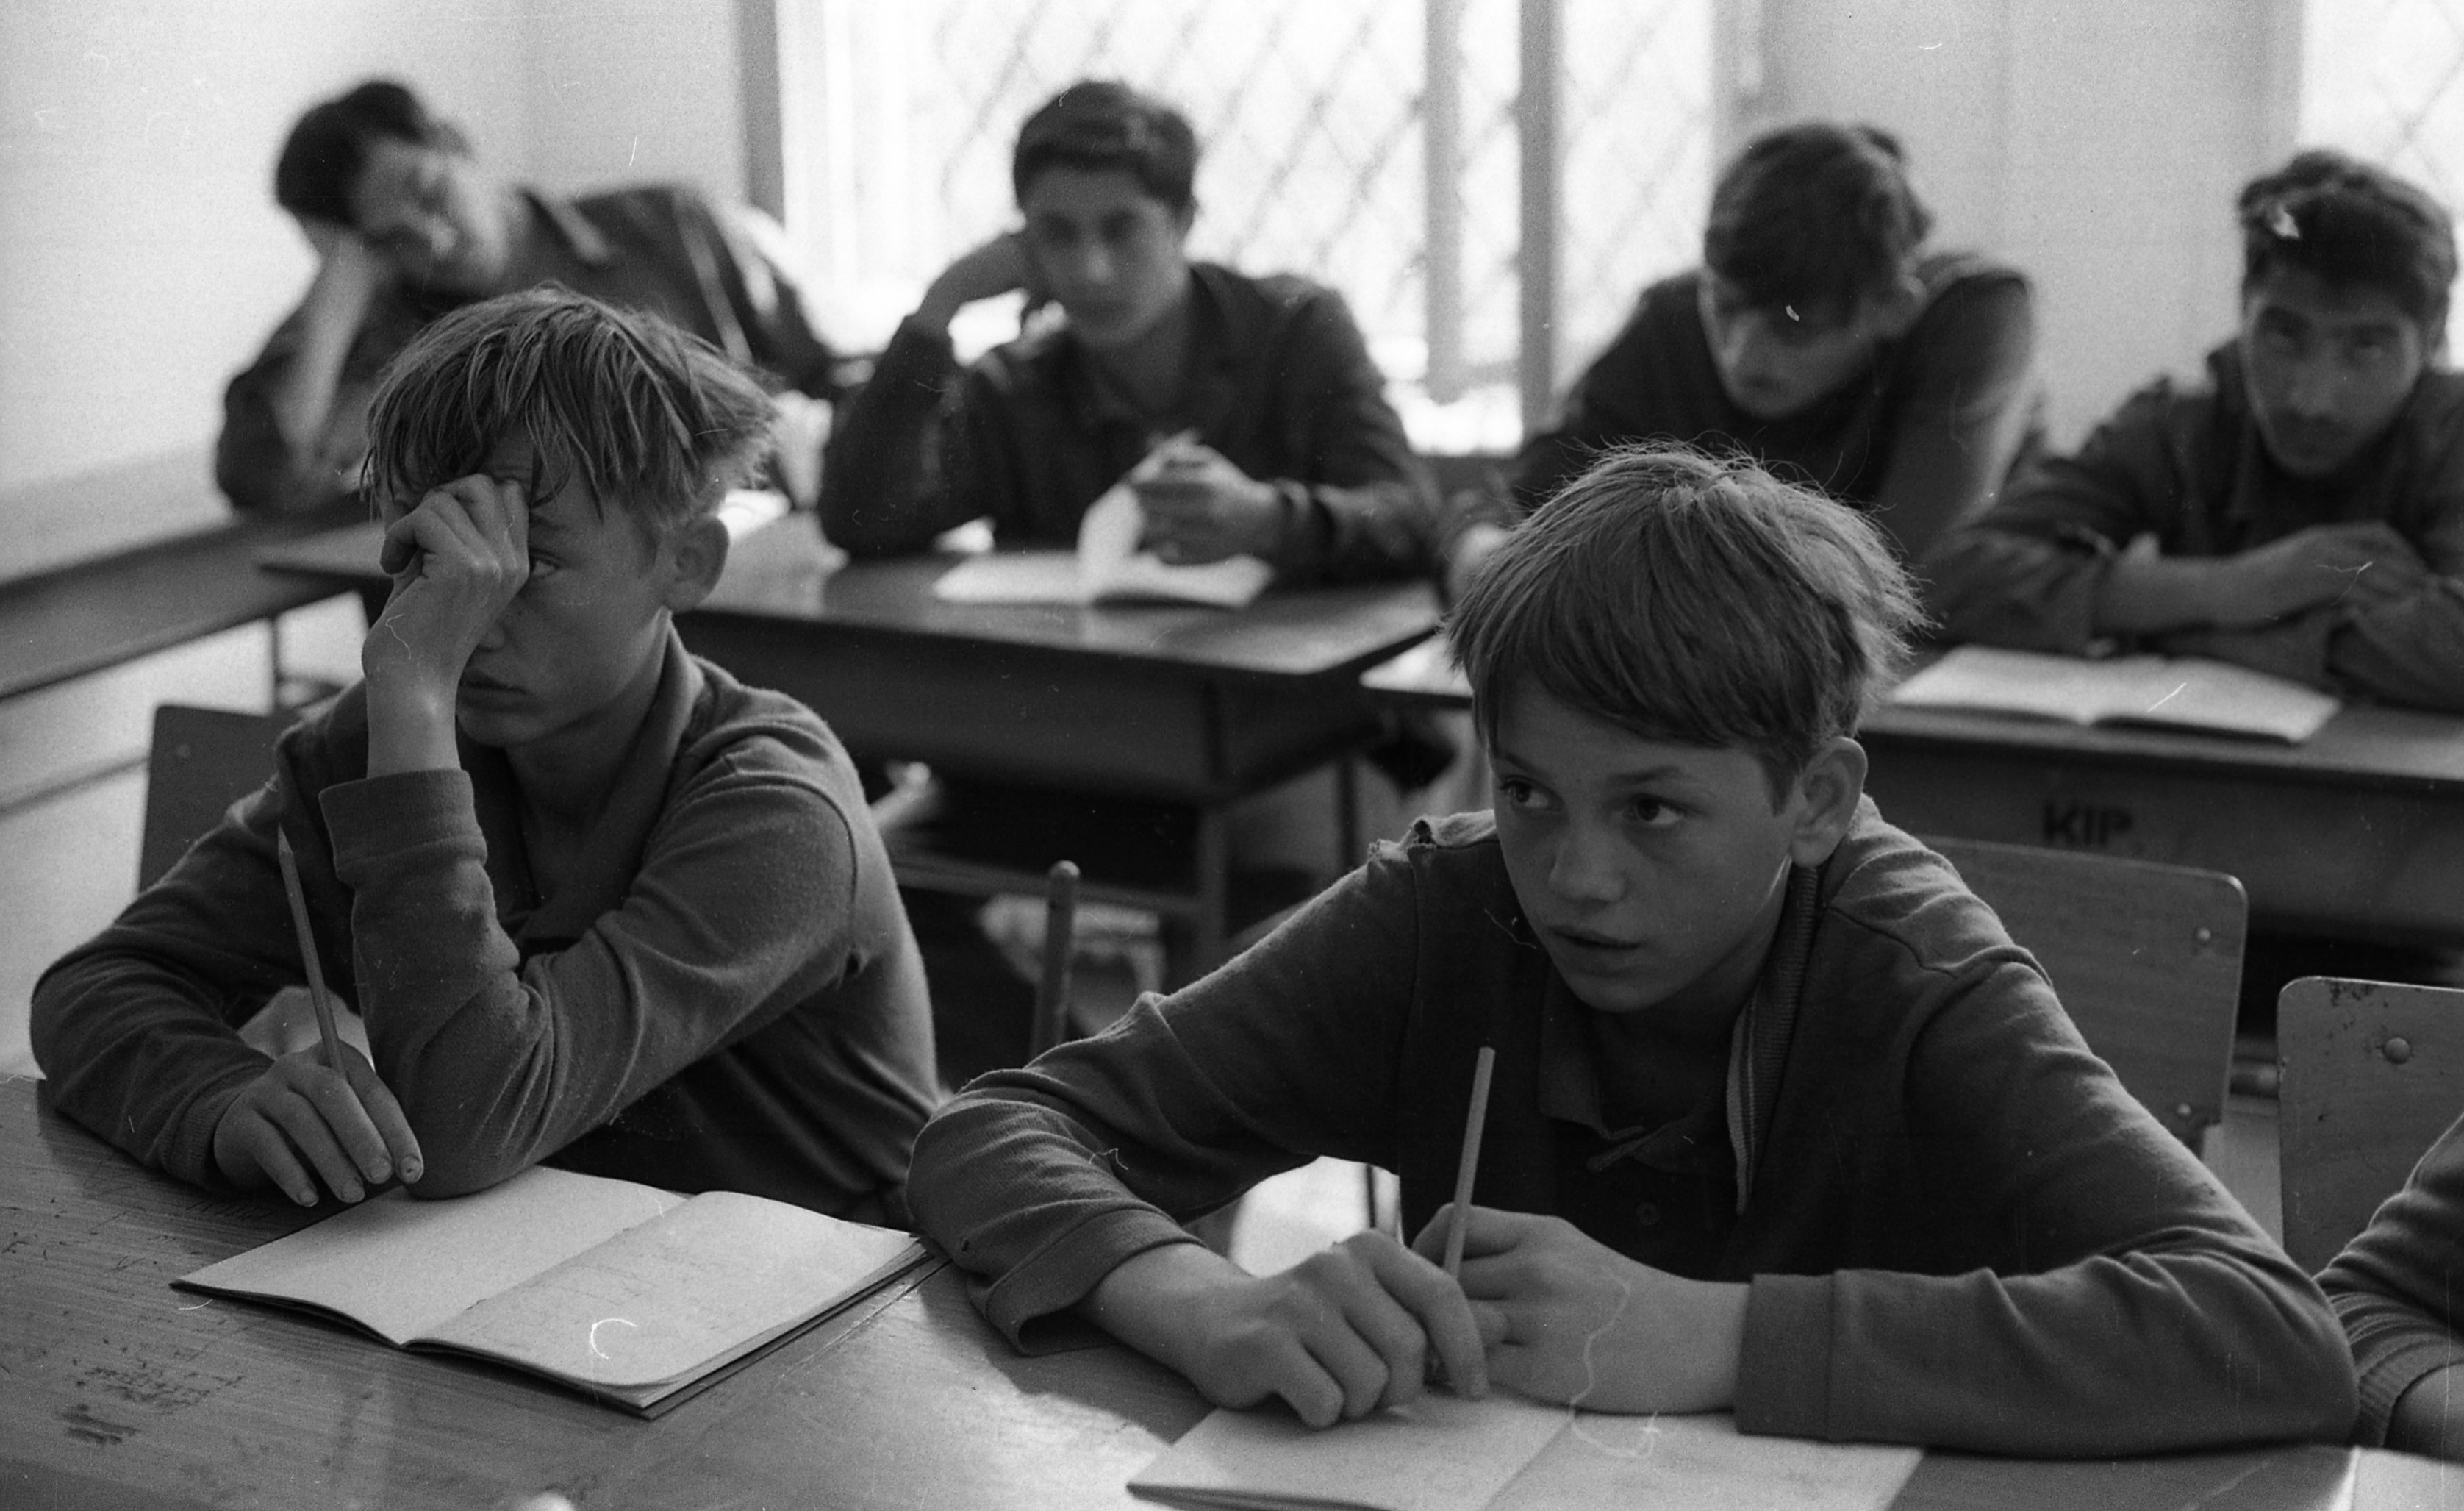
(1520, 793)
(1651, 813)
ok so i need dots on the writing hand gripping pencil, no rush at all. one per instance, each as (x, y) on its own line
(329, 1113)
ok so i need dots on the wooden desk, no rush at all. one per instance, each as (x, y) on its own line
(89, 616)
(2357, 833)
(117, 1392)
(1179, 704)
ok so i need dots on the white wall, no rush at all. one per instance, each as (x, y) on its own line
(142, 257)
(2098, 143)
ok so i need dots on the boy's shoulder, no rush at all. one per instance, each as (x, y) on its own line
(760, 731)
(1883, 889)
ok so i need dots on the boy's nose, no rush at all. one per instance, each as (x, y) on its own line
(1583, 871)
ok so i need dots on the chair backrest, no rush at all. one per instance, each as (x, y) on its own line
(2146, 958)
(2373, 1073)
(203, 759)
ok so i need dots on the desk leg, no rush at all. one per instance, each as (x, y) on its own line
(1194, 949)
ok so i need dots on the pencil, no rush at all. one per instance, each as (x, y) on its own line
(316, 995)
(1473, 1125)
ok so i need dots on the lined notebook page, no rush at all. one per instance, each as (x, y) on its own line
(1441, 1452)
(1678, 1464)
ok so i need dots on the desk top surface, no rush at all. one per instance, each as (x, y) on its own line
(123, 1392)
(67, 621)
(2363, 745)
(780, 574)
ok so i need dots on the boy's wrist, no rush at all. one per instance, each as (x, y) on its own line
(1150, 1300)
(410, 725)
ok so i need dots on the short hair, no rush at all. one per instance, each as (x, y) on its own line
(1695, 601)
(1097, 124)
(322, 157)
(2349, 222)
(651, 418)
(1815, 217)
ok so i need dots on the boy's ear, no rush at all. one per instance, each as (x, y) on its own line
(1827, 793)
(696, 554)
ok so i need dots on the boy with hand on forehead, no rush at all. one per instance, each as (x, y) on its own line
(1821, 337)
(1781, 1122)
(2302, 510)
(597, 902)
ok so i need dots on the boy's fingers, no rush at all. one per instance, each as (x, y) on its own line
(1355, 1367)
(1440, 1317)
(303, 1123)
(261, 1145)
(392, 1125)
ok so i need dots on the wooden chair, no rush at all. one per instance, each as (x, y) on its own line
(2146, 957)
(2373, 1073)
(203, 761)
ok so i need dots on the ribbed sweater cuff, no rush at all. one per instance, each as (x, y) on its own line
(1784, 1368)
(2385, 1379)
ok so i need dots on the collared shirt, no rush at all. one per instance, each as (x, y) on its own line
(721, 993)
(1280, 383)
(660, 247)
(2185, 464)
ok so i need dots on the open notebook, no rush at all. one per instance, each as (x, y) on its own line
(2181, 693)
(1503, 1453)
(1107, 567)
(630, 1294)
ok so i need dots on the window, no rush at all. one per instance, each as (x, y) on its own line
(1373, 145)
(2384, 79)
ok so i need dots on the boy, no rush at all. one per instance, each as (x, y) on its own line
(2302, 510)
(407, 224)
(1818, 336)
(2395, 1287)
(1290, 450)
(1782, 1121)
(597, 901)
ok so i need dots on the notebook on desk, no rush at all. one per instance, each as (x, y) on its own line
(628, 1294)
(2177, 693)
(1107, 566)
(1504, 1453)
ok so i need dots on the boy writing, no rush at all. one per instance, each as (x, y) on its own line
(1821, 337)
(2302, 510)
(1782, 1123)
(597, 901)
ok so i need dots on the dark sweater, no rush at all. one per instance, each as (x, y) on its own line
(1280, 383)
(2185, 462)
(1959, 1228)
(723, 994)
(2397, 1286)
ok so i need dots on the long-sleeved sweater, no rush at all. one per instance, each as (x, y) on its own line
(2398, 1285)
(722, 994)
(1958, 1227)
(2186, 463)
(1280, 383)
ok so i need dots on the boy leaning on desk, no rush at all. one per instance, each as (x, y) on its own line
(597, 901)
(1782, 1123)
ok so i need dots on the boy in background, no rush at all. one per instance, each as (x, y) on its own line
(1782, 1121)
(407, 223)
(1819, 337)
(2301, 511)
(597, 903)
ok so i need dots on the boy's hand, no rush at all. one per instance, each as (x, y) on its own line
(1344, 1332)
(456, 561)
(1199, 508)
(988, 271)
(2362, 565)
(1585, 1325)
(346, 1128)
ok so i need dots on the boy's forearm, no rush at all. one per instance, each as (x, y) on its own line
(1152, 1300)
(410, 727)
(2148, 595)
